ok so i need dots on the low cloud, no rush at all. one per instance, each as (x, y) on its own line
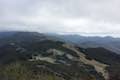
(72, 16)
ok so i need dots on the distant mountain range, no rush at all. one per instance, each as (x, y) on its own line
(32, 55)
(110, 43)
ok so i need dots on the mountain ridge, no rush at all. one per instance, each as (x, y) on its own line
(67, 60)
(108, 42)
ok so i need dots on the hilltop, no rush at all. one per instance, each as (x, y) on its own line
(48, 58)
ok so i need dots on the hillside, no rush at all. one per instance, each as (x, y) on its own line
(110, 43)
(43, 57)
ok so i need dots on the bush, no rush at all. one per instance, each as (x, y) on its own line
(20, 71)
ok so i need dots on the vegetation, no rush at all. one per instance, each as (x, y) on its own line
(28, 71)
(103, 55)
(18, 49)
(20, 71)
(107, 57)
(114, 72)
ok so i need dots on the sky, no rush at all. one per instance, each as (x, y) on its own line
(89, 17)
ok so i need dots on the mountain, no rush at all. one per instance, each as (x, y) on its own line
(38, 56)
(112, 44)
(6, 34)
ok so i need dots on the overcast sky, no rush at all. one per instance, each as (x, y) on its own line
(69, 16)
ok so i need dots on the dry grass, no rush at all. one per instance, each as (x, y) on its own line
(100, 67)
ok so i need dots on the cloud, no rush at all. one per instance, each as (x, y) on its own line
(76, 16)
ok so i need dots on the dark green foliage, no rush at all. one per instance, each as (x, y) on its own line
(103, 55)
(21, 71)
(75, 70)
(107, 57)
(114, 72)
(89, 58)
(15, 65)
(42, 46)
